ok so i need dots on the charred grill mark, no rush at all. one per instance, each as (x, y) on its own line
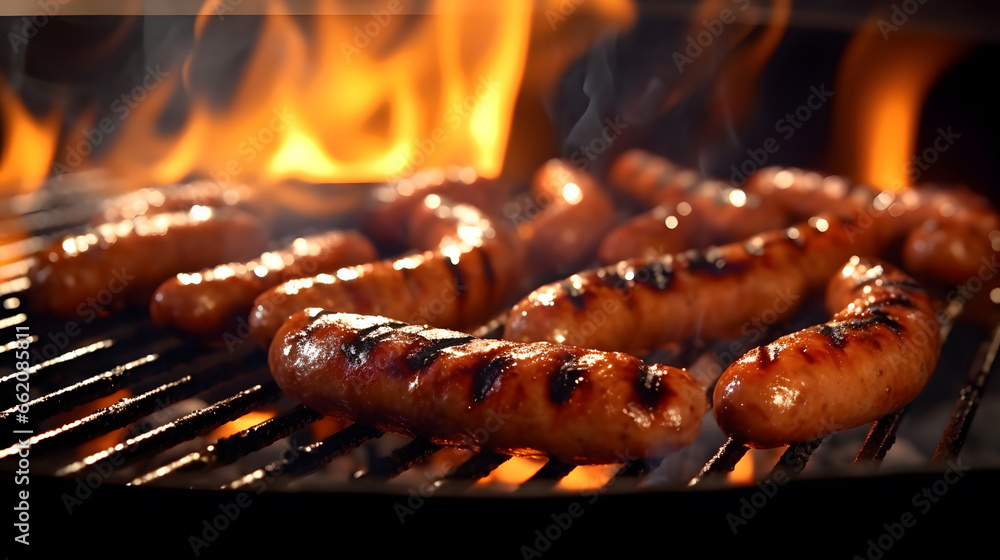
(882, 282)
(702, 261)
(457, 275)
(612, 279)
(764, 357)
(656, 274)
(426, 355)
(564, 380)
(486, 377)
(366, 340)
(649, 388)
(575, 295)
(833, 332)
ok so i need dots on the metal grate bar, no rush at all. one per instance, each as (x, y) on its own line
(968, 401)
(722, 462)
(400, 459)
(795, 457)
(880, 438)
(478, 466)
(311, 458)
(187, 428)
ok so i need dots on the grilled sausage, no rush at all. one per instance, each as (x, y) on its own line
(205, 304)
(460, 284)
(640, 305)
(109, 266)
(174, 198)
(872, 358)
(946, 235)
(572, 215)
(576, 406)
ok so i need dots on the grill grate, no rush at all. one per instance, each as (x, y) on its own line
(293, 450)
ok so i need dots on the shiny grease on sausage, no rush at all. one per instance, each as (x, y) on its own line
(574, 405)
(640, 305)
(205, 304)
(110, 266)
(874, 356)
(460, 284)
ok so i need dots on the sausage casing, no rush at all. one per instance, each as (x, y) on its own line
(113, 265)
(873, 357)
(204, 304)
(574, 405)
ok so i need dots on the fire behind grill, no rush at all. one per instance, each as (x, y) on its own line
(292, 475)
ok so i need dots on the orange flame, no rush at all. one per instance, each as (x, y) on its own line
(881, 86)
(29, 143)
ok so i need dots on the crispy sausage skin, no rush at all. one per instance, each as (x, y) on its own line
(947, 235)
(460, 284)
(574, 215)
(639, 305)
(577, 406)
(873, 357)
(204, 304)
(110, 266)
(175, 198)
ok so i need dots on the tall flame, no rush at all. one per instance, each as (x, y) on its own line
(881, 87)
(28, 142)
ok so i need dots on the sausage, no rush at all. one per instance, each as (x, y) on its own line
(947, 235)
(639, 305)
(205, 304)
(174, 198)
(573, 405)
(107, 267)
(571, 215)
(386, 217)
(460, 284)
(874, 356)
(687, 210)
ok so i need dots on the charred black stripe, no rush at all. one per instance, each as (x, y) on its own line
(365, 341)
(654, 273)
(426, 355)
(486, 378)
(614, 280)
(907, 284)
(834, 332)
(575, 295)
(458, 276)
(698, 261)
(649, 387)
(564, 380)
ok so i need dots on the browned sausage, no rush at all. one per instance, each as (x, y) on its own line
(572, 214)
(113, 265)
(577, 406)
(460, 284)
(205, 304)
(174, 198)
(872, 358)
(640, 305)
(946, 235)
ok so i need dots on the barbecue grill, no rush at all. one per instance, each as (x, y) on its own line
(140, 441)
